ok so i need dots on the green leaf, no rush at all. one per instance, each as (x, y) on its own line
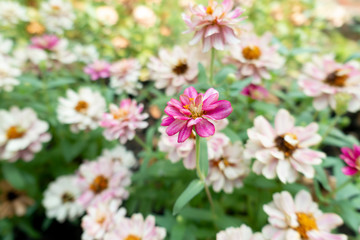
(60, 82)
(194, 188)
(13, 175)
(322, 178)
(352, 57)
(202, 155)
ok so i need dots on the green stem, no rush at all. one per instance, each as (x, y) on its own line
(212, 60)
(342, 186)
(331, 127)
(141, 142)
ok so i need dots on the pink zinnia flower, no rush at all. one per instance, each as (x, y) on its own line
(324, 78)
(256, 92)
(241, 233)
(122, 121)
(125, 76)
(98, 69)
(214, 24)
(193, 111)
(352, 158)
(284, 150)
(45, 42)
(254, 56)
(102, 180)
(136, 228)
(299, 218)
(186, 150)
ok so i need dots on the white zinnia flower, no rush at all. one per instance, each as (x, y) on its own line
(241, 233)
(11, 13)
(120, 154)
(60, 199)
(58, 15)
(82, 110)
(86, 54)
(8, 74)
(5, 45)
(125, 75)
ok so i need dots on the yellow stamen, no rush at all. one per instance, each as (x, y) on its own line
(99, 184)
(307, 222)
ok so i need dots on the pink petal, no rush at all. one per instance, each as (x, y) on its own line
(210, 92)
(184, 134)
(205, 128)
(167, 121)
(284, 122)
(349, 171)
(222, 110)
(175, 127)
(191, 92)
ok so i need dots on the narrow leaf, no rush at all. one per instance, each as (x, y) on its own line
(194, 188)
(202, 154)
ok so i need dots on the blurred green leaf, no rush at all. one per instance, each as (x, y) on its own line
(13, 175)
(194, 188)
(202, 155)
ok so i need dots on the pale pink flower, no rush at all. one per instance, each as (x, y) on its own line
(21, 134)
(144, 16)
(99, 220)
(122, 122)
(324, 78)
(214, 24)
(193, 111)
(172, 70)
(352, 158)
(125, 76)
(98, 69)
(241, 233)
(228, 171)
(284, 150)
(136, 228)
(256, 92)
(299, 218)
(101, 180)
(254, 57)
(186, 150)
(45, 42)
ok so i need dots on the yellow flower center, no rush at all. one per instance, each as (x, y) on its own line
(120, 114)
(287, 143)
(132, 237)
(55, 8)
(251, 52)
(307, 222)
(82, 106)
(99, 184)
(337, 78)
(15, 132)
(196, 111)
(221, 164)
(180, 68)
(209, 10)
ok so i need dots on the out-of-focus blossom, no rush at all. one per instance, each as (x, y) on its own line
(58, 15)
(81, 110)
(254, 56)
(241, 233)
(193, 111)
(172, 70)
(333, 12)
(186, 150)
(12, 201)
(8, 74)
(144, 16)
(299, 218)
(11, 13)
(214, 25)
(99, 220)
(35, 28)
(298, 16)
(98, 69)
(34, 56)
(62, 54)
(120, 154)
(21, 134)
(45, 42)
(60, 199)
(136, 228)
(228, 171)
(107, 15)
(244, 3)
(324, 78)
(5, 45)
(256, 92)
(352, 158)
(122, 122)
(165, 31)
(283, 151)
(120, 42)
(102, 180)
(86, 54)
(125, 75)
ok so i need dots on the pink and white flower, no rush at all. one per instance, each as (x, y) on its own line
(102, 180)
(136, 228)
(125, 76)
(324, 78)
(193, 111)
(122, 122)
(82, 110)
(214, 24)
(186, 150)
(256, 92)
(254, 57)
(241, 233)
(284, 150)
(299, 218)
(98, 69)
(45, 42)
(120, 154)
(99, 220)
(228, 171)
(21, 134)
(352, 158)
(172, 70)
